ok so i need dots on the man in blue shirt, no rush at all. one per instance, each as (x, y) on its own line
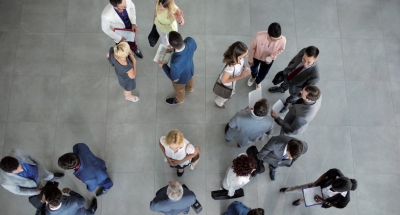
(181, 67)
(238, 208)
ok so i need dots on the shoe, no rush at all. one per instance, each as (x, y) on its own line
(258, 86)
(250, 83)
(296, 203)
(284, 109)
(282, 190)
(222, 106)
(276, 89)
(191, 91)
(179, 173)
(272, 174)
(58, 175)
(133, 100)
(138, 53)
(101, 191)
(172, 101)
(93, 206)
(239, 146)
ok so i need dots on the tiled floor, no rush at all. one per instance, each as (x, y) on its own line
(57, 89)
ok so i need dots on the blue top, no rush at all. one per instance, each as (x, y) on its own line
(125, 18)
(237, 208)
(92, 170)
(30, 171)
(181, 64)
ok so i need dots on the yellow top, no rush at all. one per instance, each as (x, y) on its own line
(162, 21)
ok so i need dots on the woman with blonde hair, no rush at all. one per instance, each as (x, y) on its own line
(178, 151)
(167, 16)
(234, 69)
(122, 59)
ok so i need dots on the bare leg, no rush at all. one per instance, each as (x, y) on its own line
(128, 95)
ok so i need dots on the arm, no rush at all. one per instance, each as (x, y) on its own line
(21, 190)
(227, 79)
(179, 17)
(268, 148)
(232, 128)
(292, 128)
(314, 78)
(252, 50)
(132, 72)
(170, 73)
(169, 160)
(106, 27)
(188, 157)
(78, 198)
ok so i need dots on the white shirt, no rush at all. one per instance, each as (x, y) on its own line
(233, 182)
(327, 193)
(182, 152)
(237, 68)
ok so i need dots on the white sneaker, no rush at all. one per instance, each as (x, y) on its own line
(250, 83)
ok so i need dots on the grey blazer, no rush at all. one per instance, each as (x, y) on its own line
(161, 203)
(272, 152)
(23, 186)
(309, 76)
(73, 204)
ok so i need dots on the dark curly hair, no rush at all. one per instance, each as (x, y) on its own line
(52, 195)
(243, 165)
(68, 161)
(256, 211)
(9, 164)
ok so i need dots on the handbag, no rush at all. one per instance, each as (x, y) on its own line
(223, 194)
(153, 36)
(222, 90)
(278, 78)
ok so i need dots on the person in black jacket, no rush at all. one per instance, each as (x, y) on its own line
(335, 189)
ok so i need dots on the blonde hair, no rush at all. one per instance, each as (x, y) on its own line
(171, 6)
(122, 50)
(174, 137)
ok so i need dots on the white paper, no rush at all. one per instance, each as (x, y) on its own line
(309, 195)
(278, 106)
(254, 96)
(162, 54)
(128, 35)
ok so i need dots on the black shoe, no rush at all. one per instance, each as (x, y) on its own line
(101, 191)
(296, 203)
(93, 206)
(138, 53)
(276, 89)
(282, 190)
(272, 174)
(179, 173)
(58, 175)
(172, 101)
(284, 109)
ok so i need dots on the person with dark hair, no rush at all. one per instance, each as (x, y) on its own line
(301, 71)
(90, 169)
(265, 47)
(281, 151)
(181, 67)
(238, 208)
(59, 204)
(167, 16)
(22, 174)
(250, 124)
(120, 14)
(335, 189)
(239, 173)
(301, 113)
(234, 69)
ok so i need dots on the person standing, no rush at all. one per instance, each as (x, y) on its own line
(239, 173)
(120, 14)
(167, 16)
(265, 47)
(238, 208)
(181, 67)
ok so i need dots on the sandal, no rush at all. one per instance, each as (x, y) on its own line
(133, 100)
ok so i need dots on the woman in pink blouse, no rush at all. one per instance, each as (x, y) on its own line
(265, 46)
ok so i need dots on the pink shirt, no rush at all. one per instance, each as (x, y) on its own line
(259, 47)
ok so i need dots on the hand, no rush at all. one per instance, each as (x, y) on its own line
(66, 190)
(108, 54)
(311, 185)
(246, 72)
(318, 198)
(132, 57)
(170, 49)
(182, 22)
(122, 39)
(250, 63)
(179, 17)
(160, 63)
(247, 107)
(176, 162)
(273, 114)
(290, 106)
(134, 28)
(268, 62)
(169, 161)
(38, 190)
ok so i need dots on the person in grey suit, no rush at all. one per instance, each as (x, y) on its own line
(173, 199)
(301, 71)
(58, 204)
(301, 113)
(22, 174)
(249, 125)
(281, 151)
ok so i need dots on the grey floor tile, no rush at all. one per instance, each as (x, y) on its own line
(69, 134)
(5, 91)
(34, 99)
(334, 110)
(191, 111)
(213, 182)
(330, 60)
(39, 54)
(389, 12)
(392, 55)
(2, 135)
(8, 47)
(130, 148)
(366, 99)
(223, 20)
(365, 60)
(85, 54)
(35, 138)
(138, 196)
(359, 19)
(83, 99)
(10, 11)
(145, 16)
(326, 23)
(395, 89)
(194, 15)
(264, 12)
(14, 204)
(142, 111)
(373, 199)
(146, 67)
(325, 141)
(83, 16)
(375, 149)
(194, 133)
(36, 19)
